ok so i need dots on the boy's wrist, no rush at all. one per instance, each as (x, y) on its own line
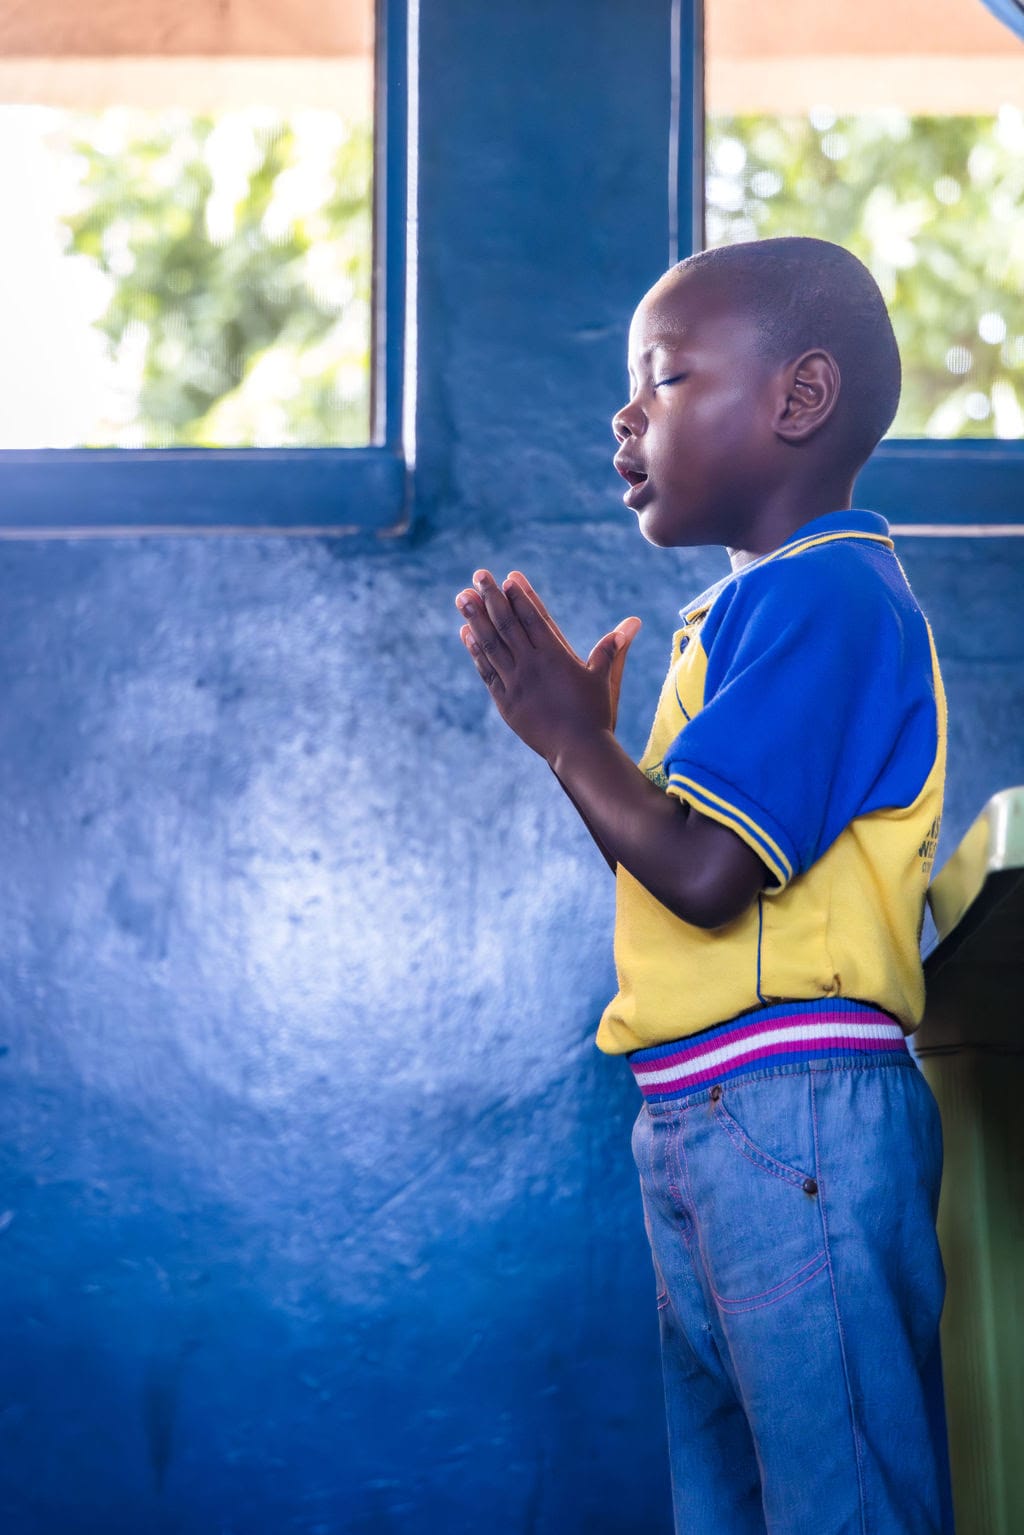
(575, 750)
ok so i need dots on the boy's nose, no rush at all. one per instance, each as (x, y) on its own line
(628, 422)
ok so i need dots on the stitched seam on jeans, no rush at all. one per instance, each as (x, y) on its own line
(661, 1297)
(702, 1275)
(683, 1188)
(683, 1163)
(754, 1155)
(740, 1308)
(684, 1172)
(743, 1300)
(839, 1324)
(672, 1181)
(885, 1059)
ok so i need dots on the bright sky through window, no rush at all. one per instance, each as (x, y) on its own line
(189, 234)
(899, 133)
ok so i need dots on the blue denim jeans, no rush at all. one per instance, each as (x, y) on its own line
(791, 1216)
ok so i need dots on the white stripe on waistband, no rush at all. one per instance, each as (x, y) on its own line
(802, 1033)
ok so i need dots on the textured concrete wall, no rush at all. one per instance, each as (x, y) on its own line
(318, 1212)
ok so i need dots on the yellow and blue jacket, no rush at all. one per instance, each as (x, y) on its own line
(804, 709)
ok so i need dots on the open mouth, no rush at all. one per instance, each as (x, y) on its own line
(637, 481)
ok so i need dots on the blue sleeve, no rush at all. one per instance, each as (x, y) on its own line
(819, 706)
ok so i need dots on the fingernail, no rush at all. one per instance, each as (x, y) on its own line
(464, 605)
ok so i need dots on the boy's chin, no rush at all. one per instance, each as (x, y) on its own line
(654, 536)
(667, 529)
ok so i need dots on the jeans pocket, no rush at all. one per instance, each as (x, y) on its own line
(758, 1155)
(752, 1170)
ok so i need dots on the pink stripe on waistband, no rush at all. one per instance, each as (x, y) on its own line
(724, 1037)
(816, 1031)
(694, 1078)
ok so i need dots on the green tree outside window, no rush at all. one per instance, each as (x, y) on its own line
(239, 279)
(239, 270)
(933, 206)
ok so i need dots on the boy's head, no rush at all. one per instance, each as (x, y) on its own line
(760, 374)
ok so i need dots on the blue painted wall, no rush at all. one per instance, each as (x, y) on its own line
(317, 1206)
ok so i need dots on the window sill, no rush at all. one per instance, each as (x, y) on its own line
(109, 491)
(968, 485)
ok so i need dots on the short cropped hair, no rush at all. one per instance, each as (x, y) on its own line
(803, 294)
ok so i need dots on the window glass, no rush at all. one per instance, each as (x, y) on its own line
(187, 196)
(898, 132)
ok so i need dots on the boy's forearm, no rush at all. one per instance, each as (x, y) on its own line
(651, 833)
(632, 820)
(609, 860)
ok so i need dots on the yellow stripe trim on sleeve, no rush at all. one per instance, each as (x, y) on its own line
(784, 867)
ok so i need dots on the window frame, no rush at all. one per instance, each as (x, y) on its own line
(966, 486)
(61, 492)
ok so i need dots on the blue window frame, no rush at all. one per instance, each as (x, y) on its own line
(968, 486)
(98, 491)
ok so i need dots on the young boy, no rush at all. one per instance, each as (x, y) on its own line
(772, 854)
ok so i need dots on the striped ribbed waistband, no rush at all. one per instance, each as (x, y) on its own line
(787, 1034)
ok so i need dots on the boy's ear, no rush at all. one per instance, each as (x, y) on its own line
(808, 397)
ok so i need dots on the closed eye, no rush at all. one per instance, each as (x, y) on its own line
(676, 379)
